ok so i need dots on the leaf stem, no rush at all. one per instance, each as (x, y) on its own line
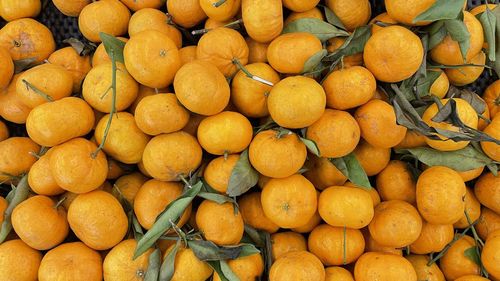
(250, 75)
(58, 204)
(205, 30)
(37, 91)
(219, 3)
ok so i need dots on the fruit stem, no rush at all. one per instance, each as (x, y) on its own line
(473, 229)
(185, 181)
(37, 91)
(179, 232)
(250, 75)
(219, 3)
(58, 204)
(205, 30)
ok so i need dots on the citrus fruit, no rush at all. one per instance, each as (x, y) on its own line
(300, 265)
(18, 262)
(108, 16)
(263, 19)
(253, 214)
(286, 242)
(383, 266)
(220, 223)
(433, 238)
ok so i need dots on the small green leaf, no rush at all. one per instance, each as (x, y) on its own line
(216, 266)
(424, 83)
(215, 197)
(437, 33)
(496, 13)
(209, 251)
(316, 27)
(136, 226)
(311, 146)
(228, 273)
(332, 18)
(443, 9)
(352, 169)
(81, 48)
(248, 250)
(167, 267)
(354, 44)
(314, 61)
(23, 64)
(255, 235)
(489, 22)
(472, 98)
(471, 254)
(243, 177)
(20, 194)
(459, 33)
(154, 262)
(113, 45)
(493, 168)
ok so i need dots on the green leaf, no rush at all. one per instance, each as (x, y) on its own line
(167, 267)
(496, 12)
(354, 44)
(164, 221)
(424, 83)
(154, 262)
(216, 266)
(465, 159)
(248, 250)
(215, 197)
(472, 98)
(332, 18)
(437, 33)
(314, 61)
(209, 251)
(228, 273)
(352, 169)
(20, 194)
(81, 48)
(471, 254)
(489, 22)
(113, 45)
(316, 27)
(23, 64)
(459, 33)
(311, 146)
(243, 177)
(442, 9)
(255, 235)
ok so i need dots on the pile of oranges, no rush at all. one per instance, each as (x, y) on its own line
(250, 140)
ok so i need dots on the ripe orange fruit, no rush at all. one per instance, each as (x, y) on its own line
(336, 245)
(455, 264)
(286, 242)
(352, 14)
(388, 59)
(201, 88)
(3, 207)
(224, 12)
(433, 238)
(139, 5)
(467, 74)
(218, 171)
(472, 208)
(78, 66)
(471, 278)
(210, 23)
(489, 221)
(153, 19)
(7, 70)
(384, 18)
(16, 156)
(440, 86)
(289, 52)
(490, 148)
(300, 265)
(333, 44)
(187, 54)
(487, 191)
(269, 145)
(257, 52)
(373, 246)
(12, 10)
(372, 159)
(188, 267)
(18, 262)
(322, 173)
(336, 133)
(395, 182)
(337, 273)
(101, 56)
(405, 12)
(220, 223)
(296, 102)
(313, 13)
(383, 266)
(150, 46)
(251, 210)
(108, 16)
(119, 264)
(129, 185)
(372, 192)
(245, 268)
(186, 13)
(300, 6)
(4, 131)
(412, 139)
(40, 178)
(98, 219)
(490, 256)
(62, 263)
(471, 174)
(314, 221)
(289, 202)
(345, 206)
(492, 98)
(481, 8)
(71, 8)
(263, 20)
(153, 197)
(425, 272)
(465, 112)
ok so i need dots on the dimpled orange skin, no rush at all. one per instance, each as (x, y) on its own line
(472, 208)
(54, 123)
(226, 132)
(119, 263)
(101, 56)
(186, 13)
(377, 118)
(16, 156)
(78, 66)
(27, 38)
(34, 216)
(490, 256)
(314, 221)
(129, 185)
(96, 88)
(248, 268)
(467, 74)
(300, 5)
(108, 16)
(268, 145)
(4, 131)
(313, 13)
(125, 141)
(296, 102)
(433, 238)
(393, 54)
(441, 85)
(439, 195)
(372, 246)
(263, 19)
(218, 171)
(487, 191)
(40, 177)
(153, 19)
(187, 54)
(289, 52)
(333, 44)
(188, 267)
(219, 223)
(448, 51)
(322, 173)
(405, 12)
(224, 12)
(289, 202)
(336, 245)
(137, 5)
(425, 272)
(71, 8)
(455, 264)
(396, 223)
(71, 262)
(372, 159)
(490, 148)
(412, 139)
(73, 167)
(11, 9)
(384, 18)
(250, 96)
(98, 219)
(489, 221)
(383, 266)
(286, 242)
(349, 87)
(465, 112)
(300, 265)
(150, 46)
(7, 70)
(352, 14)
(396, 182)
(372, 191)
(168, 156)
(18, 262)
(492, 98)
(201, 88)
(336, 133)
(257, 51)
(53, 80)
(346, 206)
(472, 278)
(251, 210)
(337, 273)
(3, 207)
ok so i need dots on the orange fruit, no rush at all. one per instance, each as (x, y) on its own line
(201, 88)
(139, 5)
(314, 221)
(4, 131)
(490, 148)
(71, 8)
(71, 262)
(148, 46)
(153, 197)
(490, 256)
(472, 208)
(448, 51)
(169, 156)
(471, 278)
(352, 14)
(373, 246)
(98, 219)
(337, 273)
(247, 268)
(481, 8)
(412, 139)
(455, 264)
(187, 54)
(395, 223)
(395, 182)
(263, 19)
(333, 44)
(289, 202)
(372, 159)
(218, 172)
(153, 19)
(141, 94)
(489, 221)
(388, 59)
(336, 245)
(471, 174)
(289, 52)
(336, 133)
(372, 191)
(12, 10)
(223, 12)
(425, 272)
(275, 155)
(492, 98)
(188, 267)
(40, 178)
(250, 96)
(286, 242)
(377, 118)
(482, 123)
(7, 70)
(406, 12)
(313, 13)
(300, 6)
(252, 212)
(129, 185)
(210, 23)
(101, 56)
(322, 173)
(120, 265)
(384, 18)
(300, 265)
(115, 170)
(225, 132)
(487, 191)
(465, 112)
(186, 13)
(346, 206)
(257, 52)
(27, 38)
(296, 102)
(3, 207)
(440, 86)
(467, 74)
(433, 238)
(18, 262)
(383, 266)
(220, 223)
(108, 16)
(16, 156)
(78, 66)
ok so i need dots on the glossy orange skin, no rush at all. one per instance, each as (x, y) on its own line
(108, 16)
(322, 173)
(472, 208)
(219, 223)
(433, 238)
(425, 272)
(406, 12)
(218, 171)
(4, 131)
(313, 13)
(372, 159)
(489, 221)
(137, 5)
(187, 54)
(395, 182)
(224, 12)
(246, 268)
(186, 13)
(11, 107)
(487, 191)
(101, 56)
(352, 14)
(120, 265)
(18, 262)
(385, 18)
(40, 177)
(468, 74)
(385, 266)
(253, 214)
(77, 65)
(263, 19)
(11, 10)
(490, 148)
(16, 156)
(188, 267)
(129, 185)
(257, 51)
(412, 139)
(7, 70)
(492, 98)
(490, 256)
(300, 265)
(153, 19)
(286, 242)
(71, 8)
(455, 264)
